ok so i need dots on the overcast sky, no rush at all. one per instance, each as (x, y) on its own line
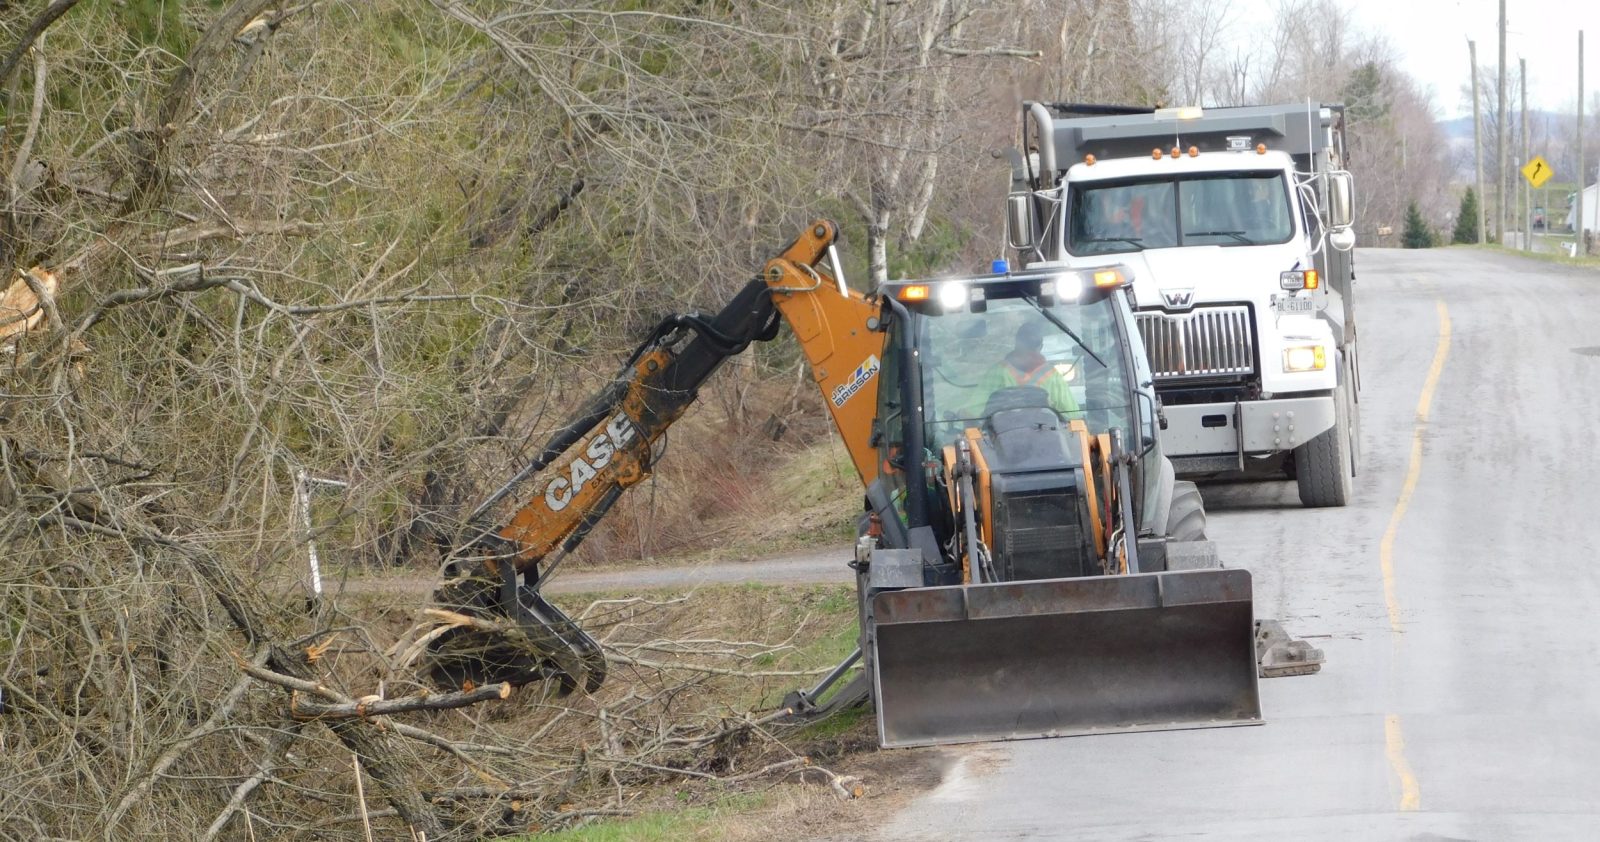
(1431, 36)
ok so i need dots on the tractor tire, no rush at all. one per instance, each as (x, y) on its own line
(1187, 521)
(1323, 465)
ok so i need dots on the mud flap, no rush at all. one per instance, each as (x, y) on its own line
(1060, 657)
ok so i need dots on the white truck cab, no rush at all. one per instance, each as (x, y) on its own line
(1235, 224)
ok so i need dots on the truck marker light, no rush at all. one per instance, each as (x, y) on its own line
(1156, 153)
(1311, 279)
(1194, 151)
(1176, 152)
(1107, 278)
(914, 292)
(1088, 160)
(1261, 149)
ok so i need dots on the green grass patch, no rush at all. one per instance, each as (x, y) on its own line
(835, 726)
(1559, 259)
(819, 474)
(668, 826)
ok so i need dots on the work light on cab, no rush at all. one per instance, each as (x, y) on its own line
(952, 295)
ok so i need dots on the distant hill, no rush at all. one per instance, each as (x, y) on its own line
(1458, 137)
(1460, 128)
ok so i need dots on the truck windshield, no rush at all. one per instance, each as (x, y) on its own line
(1226, 209)
(1016, 354)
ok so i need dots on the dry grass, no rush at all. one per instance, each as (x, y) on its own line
(318, 239)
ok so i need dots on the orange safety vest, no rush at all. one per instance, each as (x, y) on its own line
(1030, 378)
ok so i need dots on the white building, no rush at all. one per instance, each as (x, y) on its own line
(1591, 210)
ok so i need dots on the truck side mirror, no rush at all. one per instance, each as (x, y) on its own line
(1148, 423)
(1019, 221)
(1341, 212)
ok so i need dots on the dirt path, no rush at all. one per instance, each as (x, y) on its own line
(804, 567)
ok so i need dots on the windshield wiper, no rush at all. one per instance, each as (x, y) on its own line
(1055, 320)
(1237, 235)
(1136, 242)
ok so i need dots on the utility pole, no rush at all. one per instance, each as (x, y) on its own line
(1500, 132)
(1477, 126)
(1527, 191)
(1581, 179)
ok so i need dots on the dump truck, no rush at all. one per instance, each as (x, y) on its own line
(1027, 563)
(1237, 224)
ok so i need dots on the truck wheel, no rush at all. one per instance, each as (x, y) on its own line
(1322, 465)
(1187, 520)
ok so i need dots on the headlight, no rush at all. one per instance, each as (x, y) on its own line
(1298, 279)
(952, 295)
(1304, 358)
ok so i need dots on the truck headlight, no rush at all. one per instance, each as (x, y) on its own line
(1304, 358)
(1298, 279)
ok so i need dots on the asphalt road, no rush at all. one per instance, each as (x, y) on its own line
(1458, 595)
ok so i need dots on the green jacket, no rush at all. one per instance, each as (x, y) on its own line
(1004, 375)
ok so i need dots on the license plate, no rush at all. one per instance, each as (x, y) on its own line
(1292, 304)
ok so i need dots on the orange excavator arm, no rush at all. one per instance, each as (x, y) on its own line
(608, 446)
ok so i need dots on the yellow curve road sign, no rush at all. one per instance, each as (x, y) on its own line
(1537, 171)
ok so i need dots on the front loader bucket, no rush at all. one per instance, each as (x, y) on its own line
(1060, 657)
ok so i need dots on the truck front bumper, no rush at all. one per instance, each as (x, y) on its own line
(1214, 437)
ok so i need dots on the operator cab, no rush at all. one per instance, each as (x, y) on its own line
(995, 343)
(1030, 370)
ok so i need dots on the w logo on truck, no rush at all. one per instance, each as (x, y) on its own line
(1178, 299)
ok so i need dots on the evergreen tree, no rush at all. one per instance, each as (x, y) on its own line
(1417, 234)
(1467, 219)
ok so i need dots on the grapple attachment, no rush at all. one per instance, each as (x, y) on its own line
(540, 642)
(1059, 657)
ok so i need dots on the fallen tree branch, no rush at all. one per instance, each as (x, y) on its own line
(276, 749)
(355, 734)
(454, 619)
(38, 26)
(25, 149)
(241, 228)
(370, 706)
(176, 750)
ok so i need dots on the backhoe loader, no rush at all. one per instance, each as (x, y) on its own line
(1027, 564)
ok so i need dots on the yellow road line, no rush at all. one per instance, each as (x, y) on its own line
(1414, 470)
(1394, 740)
(1410, 793)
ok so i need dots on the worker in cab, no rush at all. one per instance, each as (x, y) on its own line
(1025, 365)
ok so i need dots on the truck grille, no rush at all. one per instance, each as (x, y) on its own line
(1207, 342)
